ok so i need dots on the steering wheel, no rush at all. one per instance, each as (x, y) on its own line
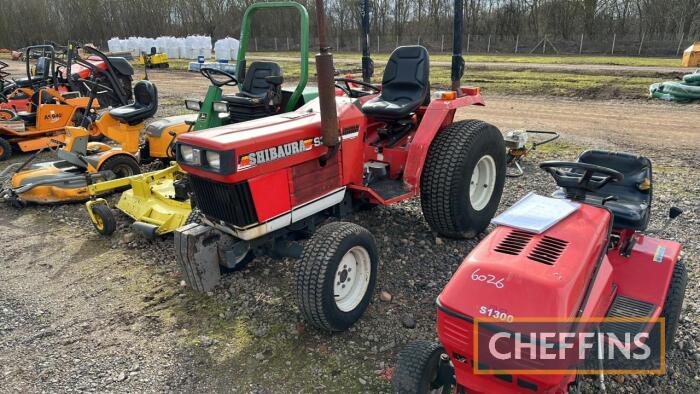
(352, 92)
(578, 178)
(228, 78)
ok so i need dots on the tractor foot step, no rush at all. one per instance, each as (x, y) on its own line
(388, 188)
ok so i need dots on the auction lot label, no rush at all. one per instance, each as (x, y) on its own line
(616, 345)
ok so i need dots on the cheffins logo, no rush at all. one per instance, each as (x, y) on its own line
(266, 155)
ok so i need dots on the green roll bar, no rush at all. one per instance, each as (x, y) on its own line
(245, 37)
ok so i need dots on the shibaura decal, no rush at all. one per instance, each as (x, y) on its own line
(608, 345)
(267, 155)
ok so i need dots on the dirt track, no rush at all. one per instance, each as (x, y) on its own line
(79, 312)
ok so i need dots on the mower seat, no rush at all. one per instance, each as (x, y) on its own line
(256, 88)
(405, 84)
(632, 208)
(27, 82)
(145, 104)
(259, 96)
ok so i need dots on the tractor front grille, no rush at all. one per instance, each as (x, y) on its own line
(232, 203)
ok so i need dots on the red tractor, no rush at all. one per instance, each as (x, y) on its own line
(264, 184)
(594, 265)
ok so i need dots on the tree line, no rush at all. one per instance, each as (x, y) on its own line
(24, 22)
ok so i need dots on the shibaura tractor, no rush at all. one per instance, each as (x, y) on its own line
(263, 185)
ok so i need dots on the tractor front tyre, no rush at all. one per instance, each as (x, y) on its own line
(5, 149)
(104, 220)
(421, 368)
(337, 275)
(463, 178)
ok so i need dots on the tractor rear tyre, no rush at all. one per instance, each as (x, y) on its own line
(463, 178)
(5, 149)
(104, 223)
(6, 114)
(420, 370)
(337, 275)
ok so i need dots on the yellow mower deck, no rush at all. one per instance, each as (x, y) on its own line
(149, 201)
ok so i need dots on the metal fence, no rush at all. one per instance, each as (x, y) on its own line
(484, 44)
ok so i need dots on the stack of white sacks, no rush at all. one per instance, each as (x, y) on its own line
(226, 49)
(190, 47)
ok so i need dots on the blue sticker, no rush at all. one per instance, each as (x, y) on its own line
(659, 254)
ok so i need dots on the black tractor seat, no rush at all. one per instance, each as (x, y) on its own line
(405, 84)
(145, 104)
(632, 206)
(259, 96)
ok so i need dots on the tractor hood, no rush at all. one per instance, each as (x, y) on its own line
(520, 274)
(259, 146)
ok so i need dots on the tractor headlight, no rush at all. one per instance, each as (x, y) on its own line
(220, 106)
(214, 160)
(190, 155)
(193, 105)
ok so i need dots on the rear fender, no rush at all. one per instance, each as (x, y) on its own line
(104, 156)
(438, 115)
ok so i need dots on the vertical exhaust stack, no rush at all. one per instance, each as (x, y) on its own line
(326, 84)
(457, 59)
(367, 63)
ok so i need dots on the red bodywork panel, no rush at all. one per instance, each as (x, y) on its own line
(307, 179)
(531, 288)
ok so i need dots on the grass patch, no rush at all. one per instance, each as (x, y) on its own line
(511, 58)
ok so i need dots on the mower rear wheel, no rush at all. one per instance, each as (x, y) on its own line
(674, 302)
(5, 149)
(6, 114)
(104, 221)
(420, 370)
(121, 165)
(462, 181)
(338, 272)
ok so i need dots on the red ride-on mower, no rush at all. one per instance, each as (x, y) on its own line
(595, 263)
(264, 184)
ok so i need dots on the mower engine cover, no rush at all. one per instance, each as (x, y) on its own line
(530, 275)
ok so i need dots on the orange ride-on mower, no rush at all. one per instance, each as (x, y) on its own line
(264, 184)
(593, 274)
(82, 163)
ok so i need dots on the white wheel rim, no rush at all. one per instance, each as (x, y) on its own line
(351, 279)
(482, 182)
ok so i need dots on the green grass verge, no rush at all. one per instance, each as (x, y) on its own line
(511, 58)
(522, 82)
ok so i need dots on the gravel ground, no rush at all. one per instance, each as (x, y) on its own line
(79, 312)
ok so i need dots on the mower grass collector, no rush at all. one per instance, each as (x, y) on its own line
(594, 263)
(263, 185)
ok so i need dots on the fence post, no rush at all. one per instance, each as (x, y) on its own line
(517, 41)
(639, 52)
(469, 36)
(359, 43)
(580, 45)
(289, 49)
(418, 40)
(377, 43)
(442, 44)
(488, 46)
(275, 44)
(256, 44)
(679, 44)
(544, 44)
(337, 43)
(612, 50)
